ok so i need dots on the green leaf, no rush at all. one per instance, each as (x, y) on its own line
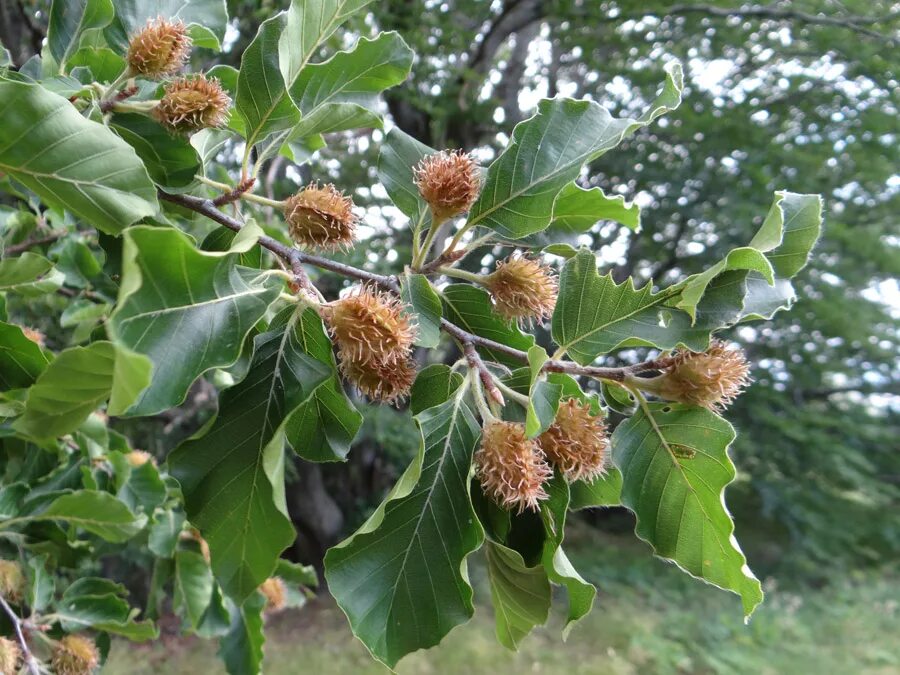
(97, 512)
(165, 530)
(103, 63)
(606, 490)
(232, 476)
(76, 383)
(401, 578)
(272, 63)
(434, 384)
(594, 315)
(41, 584)
(171, 160)
(417, 292)
(193, 587)
(399, 154)
(69, 20)
(206, 19)
(323, 428)
(21, 360)
(547, 152)
(70, 161)
(187, 310)
(29, 274)
(342, 93)
(471, 308)
(140, 487)
(242, 648)
(102, 612)
(521, 595)
(675, 466)
(578, 210)
(543, 396)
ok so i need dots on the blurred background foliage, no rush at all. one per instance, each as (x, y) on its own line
(798, 95)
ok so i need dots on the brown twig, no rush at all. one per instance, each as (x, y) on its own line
(477, 364)
(31, 243)
(30, 662)
(109, 104)
(296, 258)
(236, 193)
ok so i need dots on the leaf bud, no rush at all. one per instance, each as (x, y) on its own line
(449, 182)
(511, 467)
(321, 217)
(75, 655)
(10, 656)
(711, 379)
(193, 103)
(523, 289)
(12, 581)
(159, 49)
(576, 442)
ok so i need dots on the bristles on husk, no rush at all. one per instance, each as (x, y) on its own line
(276, 593)
(12, 581)
(370, 326)
(10, 656)
(576, 442)
(511, 467)
(75, 655)
(711, 379)
(523, 289)
(193, 103)
(159, 49)
(321, 217)
(449, 182)
(380, 381)
(137, 458)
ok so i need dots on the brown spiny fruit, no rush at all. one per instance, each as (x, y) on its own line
(193, 103)
(276, 593)
(159, 49)
(137, 458)
(576, 442)
(12, 581)
(379, 381)
(449, 182)
(75, 655)
(712, 379)
(371, 327)
(35, 336)
(10, 656)
(511, 467)
(523, 289)
(321, 217)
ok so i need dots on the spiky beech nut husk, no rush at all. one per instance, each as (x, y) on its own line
(35, 336)
(193, 103)
(523, 289)
(321, 217)
(576, 442)
(276, 593)
(10, 656)
(370, 326)
(75, 655)
(12, 581)
(137, 458)
(158, 49)
(449, 182)
(379, 381)
(712, 379)
(511, 467)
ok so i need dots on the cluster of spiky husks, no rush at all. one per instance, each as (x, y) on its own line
(523, 289)
(449, 182)
(577, 442)
(374, 338)
(276, 594)
(321, 217)
(12, 581)
(159, 49)
(193, 103)
(511, 467)
(712, 379)
(10, 656)
(75, 655)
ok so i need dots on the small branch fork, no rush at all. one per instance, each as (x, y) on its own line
(467, 341)
(30, 662)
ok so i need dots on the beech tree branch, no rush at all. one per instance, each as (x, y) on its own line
(468, 341)
(30, 662)
(31, 243)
